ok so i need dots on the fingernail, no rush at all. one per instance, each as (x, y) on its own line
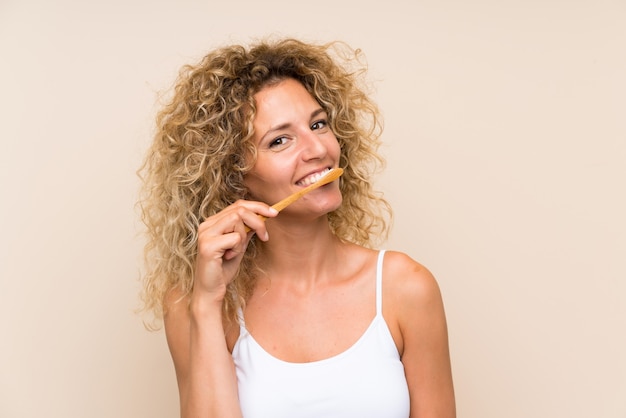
(273, 211)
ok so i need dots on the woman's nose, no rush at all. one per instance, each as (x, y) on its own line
(313, 147)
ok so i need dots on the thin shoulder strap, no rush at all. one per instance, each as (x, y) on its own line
(242, 322)
(379, 282)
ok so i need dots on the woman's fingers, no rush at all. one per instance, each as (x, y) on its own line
(241, 213)
(223, 239)
(227, 229)
(243, 237)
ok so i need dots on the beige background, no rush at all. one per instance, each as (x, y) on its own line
(506, 148)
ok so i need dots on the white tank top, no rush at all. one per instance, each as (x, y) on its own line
(365, 381)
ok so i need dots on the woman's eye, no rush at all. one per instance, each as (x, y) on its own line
(280, 141)
(320, 124)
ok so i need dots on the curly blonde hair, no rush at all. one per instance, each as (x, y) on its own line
(202, 150)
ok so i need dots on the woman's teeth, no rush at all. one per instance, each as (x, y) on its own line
(314, 178)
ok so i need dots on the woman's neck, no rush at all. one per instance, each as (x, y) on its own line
(301, 252)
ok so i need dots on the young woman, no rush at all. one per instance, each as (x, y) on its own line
(289, 314)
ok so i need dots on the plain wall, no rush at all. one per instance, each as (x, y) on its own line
(505, 138)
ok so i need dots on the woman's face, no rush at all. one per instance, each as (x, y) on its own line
(294, 143)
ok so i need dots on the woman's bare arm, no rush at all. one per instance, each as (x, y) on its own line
(204, 367)
(419, 310)
(205, 371)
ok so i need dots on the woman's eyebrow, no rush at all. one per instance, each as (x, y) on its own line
(317, 112)
(286, 125)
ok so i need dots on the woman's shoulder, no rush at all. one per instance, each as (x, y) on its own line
(403, 267)
(412, 301)
(407, 282)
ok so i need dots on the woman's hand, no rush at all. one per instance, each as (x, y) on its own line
(222, 241)
(195, 333)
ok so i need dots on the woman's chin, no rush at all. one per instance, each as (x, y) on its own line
(331, 205)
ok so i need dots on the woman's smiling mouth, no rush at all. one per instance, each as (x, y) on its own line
(313, 178)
